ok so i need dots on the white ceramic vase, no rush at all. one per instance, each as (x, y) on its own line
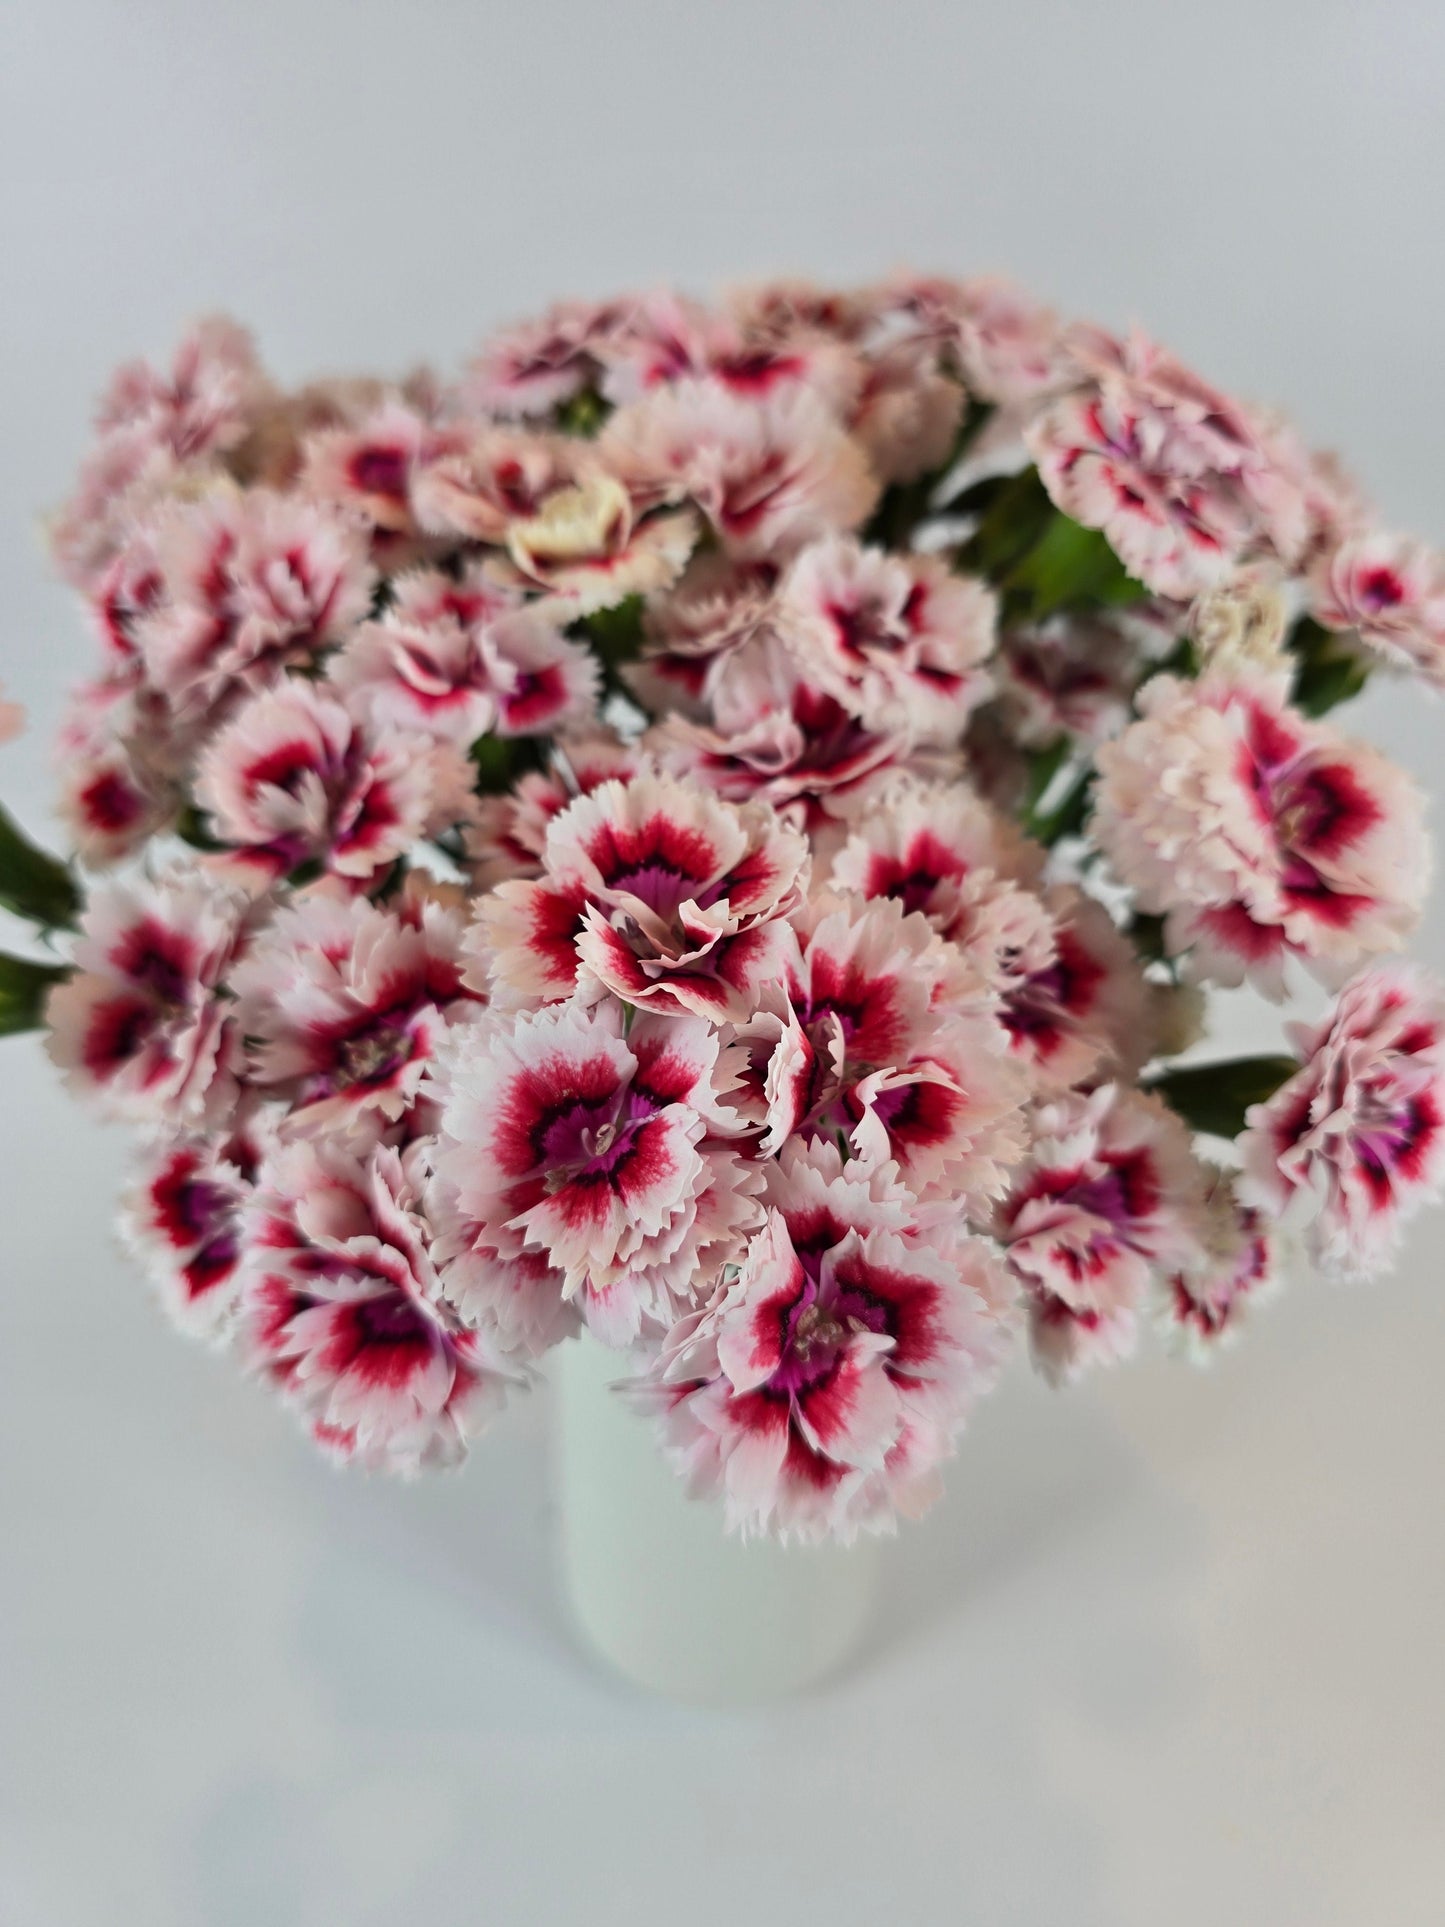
(657, 1587)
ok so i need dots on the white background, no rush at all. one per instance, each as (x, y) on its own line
(1171, 1650)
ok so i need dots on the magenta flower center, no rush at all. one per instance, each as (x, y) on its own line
(818, 1327)
(588, 1141)
(1380, 589)
(380, 471)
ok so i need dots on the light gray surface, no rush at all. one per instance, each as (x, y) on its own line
(1171, 1649)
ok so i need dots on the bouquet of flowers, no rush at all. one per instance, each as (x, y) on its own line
(716, 827)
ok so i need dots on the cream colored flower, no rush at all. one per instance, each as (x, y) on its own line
(1241, 621)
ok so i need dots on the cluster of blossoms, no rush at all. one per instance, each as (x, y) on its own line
(714, 828)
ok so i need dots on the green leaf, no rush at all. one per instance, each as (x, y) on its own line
(1070, 565)
(1215, 1097)
(493, 758)
(24, 986)
(1016, 518)
(1330, 666)
(501, 760)
(33, 884)
(1041, 558)
(616, 633)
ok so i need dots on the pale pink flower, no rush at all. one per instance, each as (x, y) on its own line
(1175, 808)
(1258, 833)
(1108, 1200)
(907, 413)
(182, 1219)
(1177, 533)
(667, 1280)
(1065, 984)
(367, 468)
(1202, 1305)
(1360, 1127)
(341, 1308)
(509, 835)
(108, 807)
(1003, 930)
(672, 898)
(691, 631)
(122, 482)
(898, 640)
(246, 585)
(1248, 443)
(126, 591)
(118, 768)
(204, 405)
(294, 778)
(545, 681)
(520, 1302)
(666, 338)
(1390, 590)
(273, 454)
(432, 679)
(880, 1033)
(819, 1391)
(1008, 348)
(469, 596)
(769, 475)
(507, 669)
(660, 338)
(12, 720)
(1072, 996)
(920, 842)
(1335, 504)
(1072, 676)
(488, 476)
(781, 311)
(469, 603)
(141, 1025)
(163, 438)
(602, 1153)
(1011, 348)
(812, 359)
(775, 737)
(344, 1003)
(533, 366)
(1184, 483)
